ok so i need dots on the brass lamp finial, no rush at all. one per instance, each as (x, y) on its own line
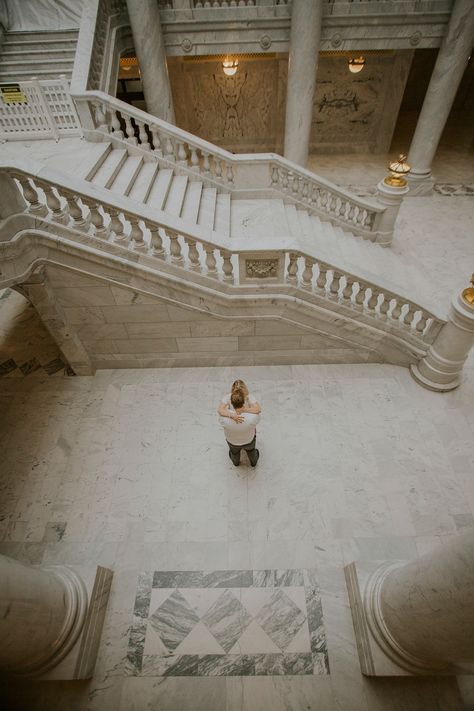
(398, 169)
(468, 293)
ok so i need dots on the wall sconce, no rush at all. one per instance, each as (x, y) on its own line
(230, 66)
(398, 169)
(356, 64)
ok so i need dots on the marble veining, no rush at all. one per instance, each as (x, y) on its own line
(227, 623)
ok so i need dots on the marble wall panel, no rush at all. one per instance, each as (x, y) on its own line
(351, 112)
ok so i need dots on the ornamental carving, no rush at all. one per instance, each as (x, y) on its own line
(261, 268)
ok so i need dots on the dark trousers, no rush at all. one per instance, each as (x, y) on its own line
(252, 453)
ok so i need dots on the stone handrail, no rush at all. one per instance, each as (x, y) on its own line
(118, 223)
(252, 173)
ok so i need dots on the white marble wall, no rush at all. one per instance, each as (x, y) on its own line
(246, 112)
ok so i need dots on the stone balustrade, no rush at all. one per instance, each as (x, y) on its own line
(255, 172)
(310, 279)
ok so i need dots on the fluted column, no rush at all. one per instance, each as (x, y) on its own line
(42, 612)
(422, 613)
(441, 368)
(149, 46)
(447, 73)
(302, 66)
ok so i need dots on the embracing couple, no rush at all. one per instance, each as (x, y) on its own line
(239, 413)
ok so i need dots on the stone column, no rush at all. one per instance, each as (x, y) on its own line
(416, 618)
(447, 73)
(302, 65)
(42, 612)
(149, 46)
(441, 368)
(391, 198)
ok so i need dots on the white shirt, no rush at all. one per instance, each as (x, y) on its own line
(240, 433)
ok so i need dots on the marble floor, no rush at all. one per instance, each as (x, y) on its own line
(129, 469)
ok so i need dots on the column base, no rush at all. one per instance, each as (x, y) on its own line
(420, 185)
(80, 661)
(374, 659)
(431, 384)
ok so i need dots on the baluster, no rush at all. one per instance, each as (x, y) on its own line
(143, 136)
(156, 242)
(205, 163)
(31, 195)
(210, 259)
(351, 213)
(324, 195)
(116, 225)
(315, 195)
(396, 311)
(136, 233)
(385, 305)
(100, 117)
(333, 204)
(304, 192)
(360, 296)
(175, 247)
(347, 291)
(295, 185)
(409, 316)
(275, 176)
(193, 256)
(227, 265)
(130, 131)
(169, 151)
(421, 323)
(115, 123)
(182, 158)
(195, 160)
(285, 179)
(54, 204)
(292, 271)
(360, 217)
(96, 218)
(156, 141)
(335, 283)
(230, 174)
(307, 276)
(217, 168)
(321, 280)
(75, 210)
(372, 302)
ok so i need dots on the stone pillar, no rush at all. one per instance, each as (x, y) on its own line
(391, 198)
(42, 612)
(417, 617)
(447, 73)
(441, 367)
(302, 65)
(149, 46)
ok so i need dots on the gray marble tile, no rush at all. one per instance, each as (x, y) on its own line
(227, 620)
(281, 619)
(286, 664)
(226, 665)
(174, 620)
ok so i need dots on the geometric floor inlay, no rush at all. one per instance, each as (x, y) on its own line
(227, 623)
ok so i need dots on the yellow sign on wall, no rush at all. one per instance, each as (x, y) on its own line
(12, 94)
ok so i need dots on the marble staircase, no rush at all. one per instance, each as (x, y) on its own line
(45, 55)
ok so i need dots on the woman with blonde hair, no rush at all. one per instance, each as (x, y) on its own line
(251, 405)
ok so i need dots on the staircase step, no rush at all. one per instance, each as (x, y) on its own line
(27, 37)
(144, 181)
(37, 54)
(222, 216)
(97, 158)
(192, 201)
(207, 208)
(127, 174)
(174, 200)
(14, 64)
(159, 190)
(109, 169)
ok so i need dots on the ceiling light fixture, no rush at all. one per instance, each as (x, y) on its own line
(356, 64)
(230, 66)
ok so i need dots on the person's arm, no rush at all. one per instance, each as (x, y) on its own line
(223, 411)
(254, 409)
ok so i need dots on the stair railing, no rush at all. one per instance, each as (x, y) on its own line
(118, 223)
(246, 175)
